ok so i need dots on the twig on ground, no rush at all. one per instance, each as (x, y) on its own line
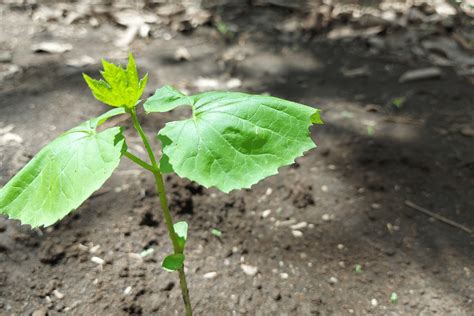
(438, 217)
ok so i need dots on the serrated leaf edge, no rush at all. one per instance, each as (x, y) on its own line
(270, 173)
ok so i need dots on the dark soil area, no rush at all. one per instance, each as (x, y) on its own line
(357, 240)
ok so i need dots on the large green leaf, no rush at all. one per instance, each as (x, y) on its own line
(63, 174)
(233, 140)
(121, 87)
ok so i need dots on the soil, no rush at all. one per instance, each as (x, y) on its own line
(360, 243)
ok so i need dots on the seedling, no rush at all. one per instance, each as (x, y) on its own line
(216, 232)
(232, 141)
(394, 298)
(399, 102)
(358, 268)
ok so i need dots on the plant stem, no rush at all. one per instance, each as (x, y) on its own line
(160, 188)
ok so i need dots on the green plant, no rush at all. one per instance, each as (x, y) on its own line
(232, 141)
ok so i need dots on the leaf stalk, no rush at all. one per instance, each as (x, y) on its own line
(138, 161)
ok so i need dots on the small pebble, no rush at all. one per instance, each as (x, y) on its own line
(324, 188)
(82, 247)
(340, 246)
(5, 57)
(40, 312)
(136, 256)
(467, 271)
(182, 54)
(285, 223)
(333, 280)
(94, 249)
(98, 260)
(127, 290)
(266, 213)
(297, 233)
(325, 217)
(300, 225)
(210, 275)
(58, 294)
(248, 269)
(374, 302)
(342, 264)
(284, 276)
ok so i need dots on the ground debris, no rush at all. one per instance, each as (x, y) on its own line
(6, 57)
(40, 312)
(350, 32)
(98, 260)
(356, 72)
(210, 275)
(10, 138)
(52, 255)
(51, 47)
(297, 233)
(170, 9)
(8, 71)
(80, 62)
(248, 269)
(182, 54)
(421, 74)
(58, 294)
(467, 130)
(205, 84)
(300, 225)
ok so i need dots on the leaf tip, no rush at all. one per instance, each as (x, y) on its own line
(316, 117)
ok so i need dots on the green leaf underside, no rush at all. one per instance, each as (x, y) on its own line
(121, 88)
(235, 139)
(181, 230)
(173, 262)
(63, 174)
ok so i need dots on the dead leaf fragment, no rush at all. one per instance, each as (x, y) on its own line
(170, 9)
(182, 54)
(467, 130)
(51, 47)
(80, 62)
(421, 74)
